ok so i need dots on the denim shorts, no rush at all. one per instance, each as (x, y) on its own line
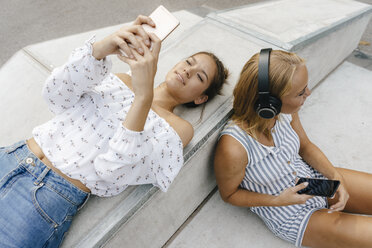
(36, 204)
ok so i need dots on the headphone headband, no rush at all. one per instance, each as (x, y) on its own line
(266, 106)
(263, 71)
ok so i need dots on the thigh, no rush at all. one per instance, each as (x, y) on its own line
(359, 187)
(32, 215)
(338, 230)
(21, 223)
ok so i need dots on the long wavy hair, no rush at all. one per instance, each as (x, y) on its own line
(282, 67)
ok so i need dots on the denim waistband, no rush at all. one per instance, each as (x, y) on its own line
(43, 174)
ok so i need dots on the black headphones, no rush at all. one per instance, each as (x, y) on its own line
(266, 106)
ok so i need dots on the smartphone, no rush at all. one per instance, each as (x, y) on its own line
(164, 20)
(319, 187)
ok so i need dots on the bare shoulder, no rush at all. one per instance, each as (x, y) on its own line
(126, 79)
(230, 155)
(183, 128)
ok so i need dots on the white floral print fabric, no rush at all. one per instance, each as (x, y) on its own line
(86, 139)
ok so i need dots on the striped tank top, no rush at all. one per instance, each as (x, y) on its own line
(272, 169)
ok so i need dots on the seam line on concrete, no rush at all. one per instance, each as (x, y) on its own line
(34, 58)
(189, 219)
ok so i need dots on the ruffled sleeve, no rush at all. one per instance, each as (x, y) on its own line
(169, 158)
(125, 158)
(79, 75)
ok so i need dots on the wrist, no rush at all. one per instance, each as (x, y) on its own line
(144, 99)
(276, 201)
(97, 50)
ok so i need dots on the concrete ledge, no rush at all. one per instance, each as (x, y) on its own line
(314, 29)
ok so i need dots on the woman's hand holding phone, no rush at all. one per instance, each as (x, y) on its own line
(143, 67)
(343, 196)
(119, 41)
(289, 196)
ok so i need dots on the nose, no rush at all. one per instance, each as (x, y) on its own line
(187, 72)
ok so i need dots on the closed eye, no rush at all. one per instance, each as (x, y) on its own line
(303, 91)
(200, 78)
(188, 62)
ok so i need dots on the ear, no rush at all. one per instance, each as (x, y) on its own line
(201, 99)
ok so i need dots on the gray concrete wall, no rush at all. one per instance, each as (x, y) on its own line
(25, 22)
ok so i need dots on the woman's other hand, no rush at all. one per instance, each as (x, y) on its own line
(123, 39)
(342, 196)
(143, 67)
(290, 196)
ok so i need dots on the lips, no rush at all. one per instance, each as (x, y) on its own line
(180, 78)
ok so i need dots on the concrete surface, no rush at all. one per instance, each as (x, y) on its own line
(314, 29)
(25, 22)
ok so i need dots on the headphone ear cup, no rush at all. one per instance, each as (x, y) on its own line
(276, 104)
(268, 109)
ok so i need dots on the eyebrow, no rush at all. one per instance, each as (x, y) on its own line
(206, 75)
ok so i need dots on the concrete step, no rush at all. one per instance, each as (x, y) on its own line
(324, 32)
(337, 118)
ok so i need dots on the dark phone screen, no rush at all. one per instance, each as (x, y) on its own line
(319, 187)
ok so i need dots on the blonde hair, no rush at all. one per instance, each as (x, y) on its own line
(282, 67)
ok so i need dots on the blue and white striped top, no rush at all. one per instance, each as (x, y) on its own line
(270, 170)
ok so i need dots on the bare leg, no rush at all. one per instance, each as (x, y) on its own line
(341, 229)
(359, 186)
(338, 230)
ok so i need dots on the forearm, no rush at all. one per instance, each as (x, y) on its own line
(245, 198)
(317, 159)
(137, 114)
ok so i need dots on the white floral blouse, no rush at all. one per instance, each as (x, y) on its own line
(86, 139)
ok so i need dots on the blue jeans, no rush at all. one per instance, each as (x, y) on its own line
(36, 204)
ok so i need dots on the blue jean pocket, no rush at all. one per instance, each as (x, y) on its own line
(53, 207)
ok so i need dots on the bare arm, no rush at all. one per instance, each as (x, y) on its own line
(317, 159)
(229, 163)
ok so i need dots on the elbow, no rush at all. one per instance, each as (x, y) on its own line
(228, 198)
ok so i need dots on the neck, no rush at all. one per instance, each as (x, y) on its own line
(163, 99)
(272, 123)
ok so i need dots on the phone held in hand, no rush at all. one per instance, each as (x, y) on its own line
(319, 187)
(164, 20)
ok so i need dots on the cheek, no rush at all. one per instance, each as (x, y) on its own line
(292, 105)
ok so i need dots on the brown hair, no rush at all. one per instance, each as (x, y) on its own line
(282, 67)
(217, 81)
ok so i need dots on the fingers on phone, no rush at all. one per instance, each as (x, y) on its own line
(124, 48)
(156, 43)
(143, 35)
(301, 186)
(337, 207)
(141, 19)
